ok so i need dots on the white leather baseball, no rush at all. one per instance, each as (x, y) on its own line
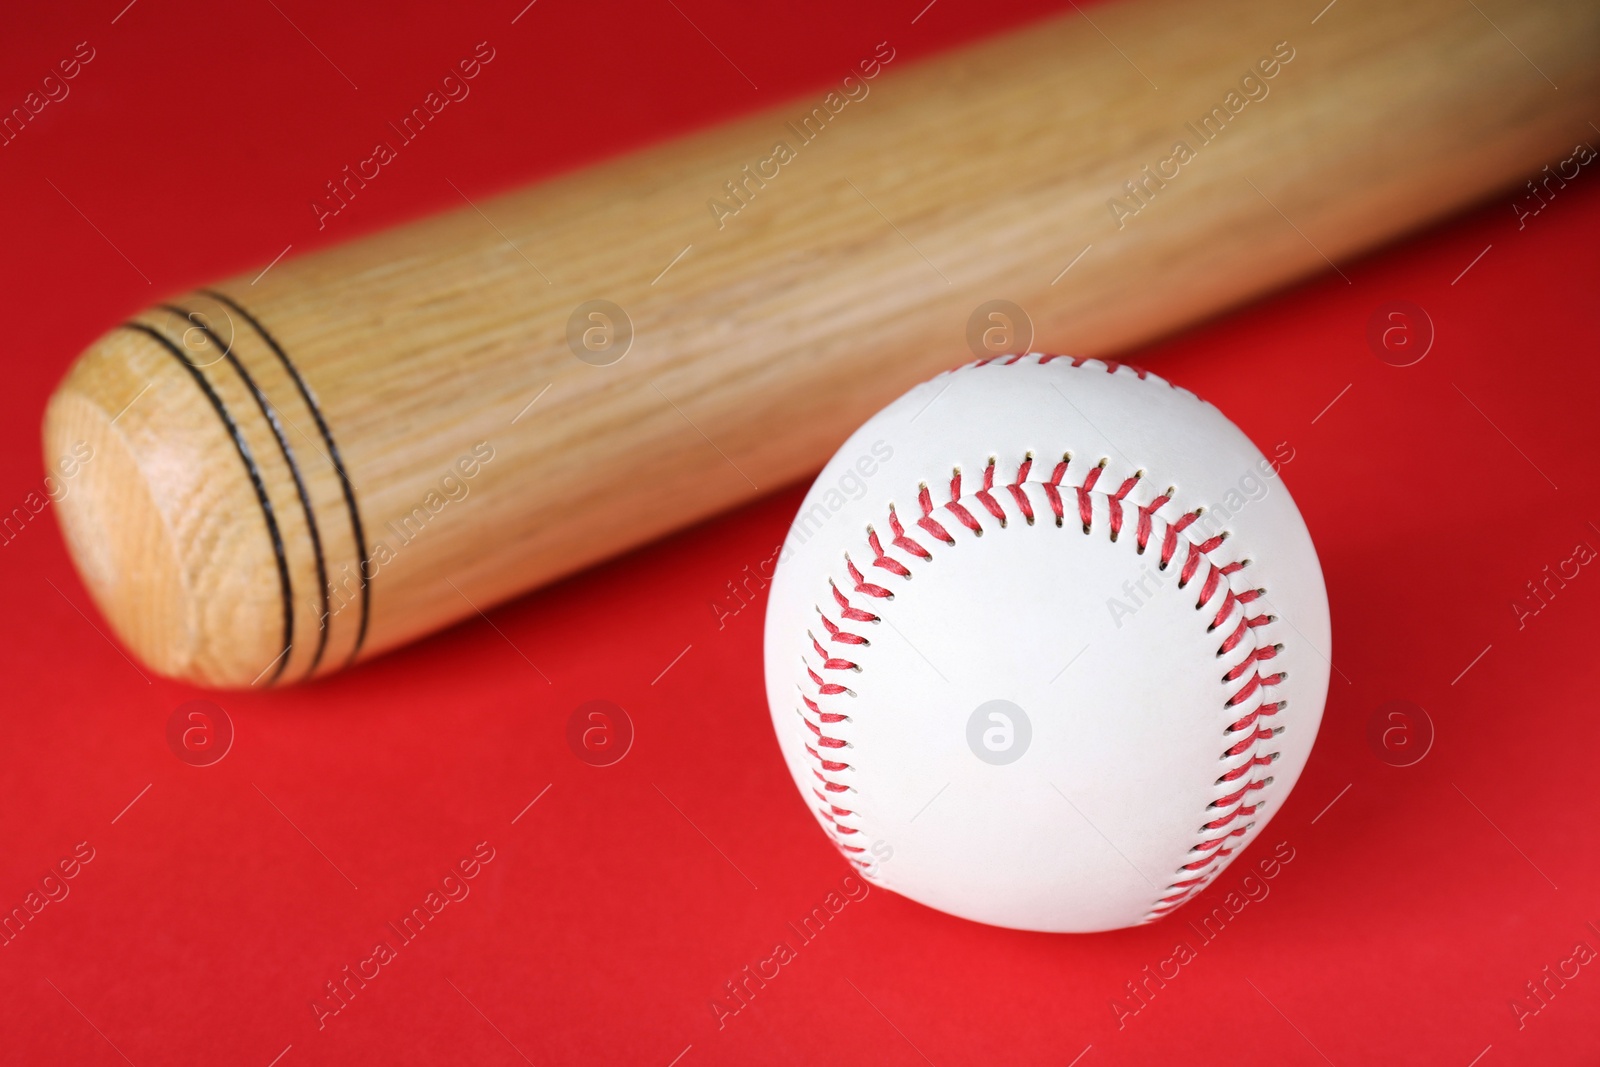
(1025, 530)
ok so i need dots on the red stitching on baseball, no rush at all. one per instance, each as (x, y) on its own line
(893, 566)
(986, 494)
(906, 544)
(852, 613)
(1114, 502)
(927, 522)
(863, 586)
(1085, 513)
(1024, 505)
(836, 634)
(1052, 488)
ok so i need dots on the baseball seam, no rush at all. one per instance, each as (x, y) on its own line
(1246, 686)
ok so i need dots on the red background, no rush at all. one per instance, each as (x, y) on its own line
(1415, 907)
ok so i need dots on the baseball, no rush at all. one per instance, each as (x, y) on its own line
(1047, 644)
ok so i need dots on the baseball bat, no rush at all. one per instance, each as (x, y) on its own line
(266, 480)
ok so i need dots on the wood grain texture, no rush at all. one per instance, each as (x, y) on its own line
(761, 337)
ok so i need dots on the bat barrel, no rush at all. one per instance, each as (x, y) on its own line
(212, 517)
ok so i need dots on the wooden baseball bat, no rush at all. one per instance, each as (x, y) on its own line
(267, 480)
